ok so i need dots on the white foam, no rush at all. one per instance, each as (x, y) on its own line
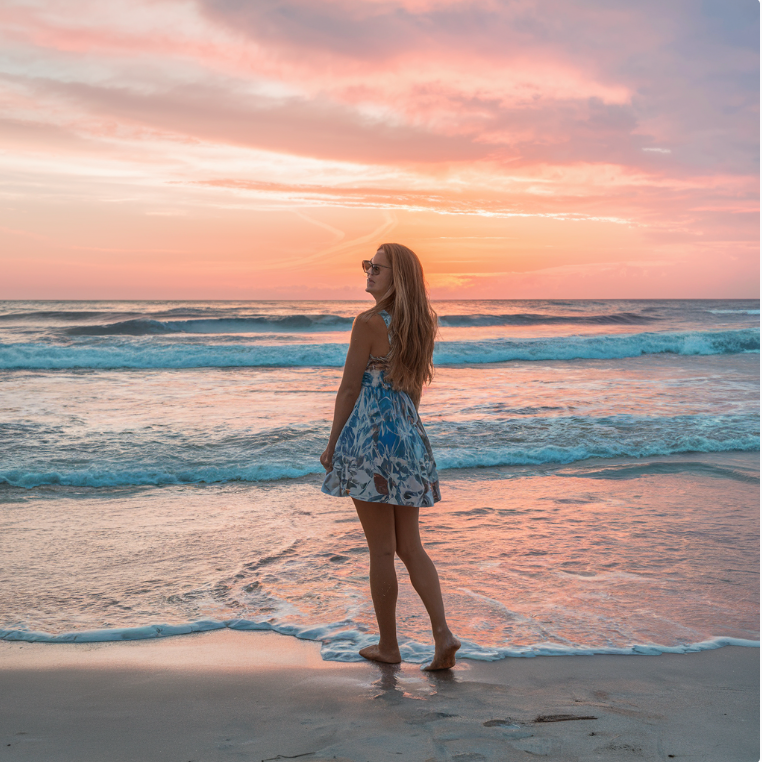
(734, 312)
(341, 641)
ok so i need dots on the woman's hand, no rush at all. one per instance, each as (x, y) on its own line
(326, 459)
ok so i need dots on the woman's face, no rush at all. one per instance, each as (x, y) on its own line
(378, 285)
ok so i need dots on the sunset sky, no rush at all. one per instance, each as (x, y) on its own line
(260, 149)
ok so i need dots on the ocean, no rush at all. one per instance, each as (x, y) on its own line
(598, 459)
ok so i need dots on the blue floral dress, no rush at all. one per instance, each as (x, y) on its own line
(383, 454)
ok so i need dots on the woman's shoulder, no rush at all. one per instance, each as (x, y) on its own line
(368, 327)
(373, 318)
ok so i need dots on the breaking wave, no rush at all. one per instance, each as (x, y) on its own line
(149, 355)
(294, 453)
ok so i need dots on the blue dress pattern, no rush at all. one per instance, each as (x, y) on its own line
(383, 454)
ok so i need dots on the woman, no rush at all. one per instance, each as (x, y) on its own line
(378, 452)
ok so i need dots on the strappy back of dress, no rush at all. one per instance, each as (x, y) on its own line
(381, 363)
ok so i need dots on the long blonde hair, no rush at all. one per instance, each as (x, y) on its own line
(413, 326)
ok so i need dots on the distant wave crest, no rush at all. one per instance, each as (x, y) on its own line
(144, 327)
(53, 315)
(529, 318)
(297, 322)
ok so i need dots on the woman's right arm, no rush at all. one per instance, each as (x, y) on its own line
(351, 384)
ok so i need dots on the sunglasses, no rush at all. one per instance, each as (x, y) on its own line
(372, 267)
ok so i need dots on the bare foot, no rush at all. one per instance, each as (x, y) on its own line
(388, 656)
(444, 654)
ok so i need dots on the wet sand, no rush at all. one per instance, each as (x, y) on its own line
(229, 695)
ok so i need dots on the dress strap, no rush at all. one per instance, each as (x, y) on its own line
(381, 361)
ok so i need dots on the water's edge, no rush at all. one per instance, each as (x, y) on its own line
(341, 642)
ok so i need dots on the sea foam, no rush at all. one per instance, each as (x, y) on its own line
(341, 641)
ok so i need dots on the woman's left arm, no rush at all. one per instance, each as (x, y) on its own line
(351, 384)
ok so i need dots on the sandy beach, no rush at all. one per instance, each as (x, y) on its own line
(228, 695)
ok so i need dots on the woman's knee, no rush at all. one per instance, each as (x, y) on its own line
(382, 555)
(409, 553)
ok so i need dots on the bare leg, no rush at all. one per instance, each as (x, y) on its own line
(377, 521)
(425, 580)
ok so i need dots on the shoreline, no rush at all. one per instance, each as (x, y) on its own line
(412, 652)
(224, 695)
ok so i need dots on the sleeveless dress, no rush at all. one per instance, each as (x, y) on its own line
(383, 454)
